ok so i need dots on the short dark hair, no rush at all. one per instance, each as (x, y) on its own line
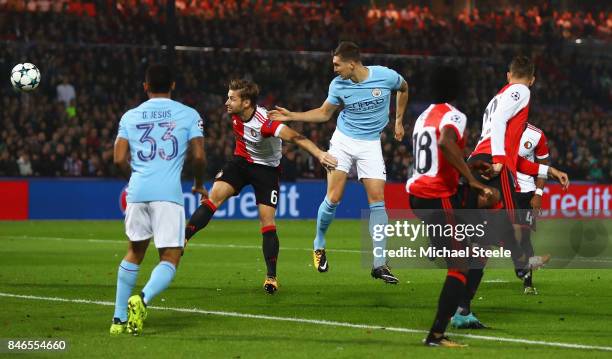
(445, 84)
(347, 50)
(248, 90)
(522, 67)
(159, 78)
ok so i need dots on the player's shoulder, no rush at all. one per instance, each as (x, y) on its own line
(186, 115)
(381, 71)
(262, 111)
(338, 82)
(379, 68)
(454, 115)
(455, 111)
(516, 92)
(131, 113)
(261, 114)
(179, 106)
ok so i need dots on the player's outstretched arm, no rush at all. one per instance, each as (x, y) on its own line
(401, 101)
(328, 161)
(121, 156)
(454, 156)
(321, 114)
(198, 162)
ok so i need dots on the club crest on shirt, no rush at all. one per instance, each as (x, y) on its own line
(253, 133)
(528, 145)
(376, 92)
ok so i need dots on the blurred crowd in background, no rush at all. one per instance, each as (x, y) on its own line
(92, 57)
(399, 27)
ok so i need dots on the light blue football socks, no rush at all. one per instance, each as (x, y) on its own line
(325, 215)
(378, 216)
(126, 280)
(161, 277)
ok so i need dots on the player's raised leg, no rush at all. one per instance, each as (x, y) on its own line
(336, 181)
(375, 189)
(126, 280)
(220, 192)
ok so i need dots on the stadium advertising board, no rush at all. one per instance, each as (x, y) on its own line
(105, 199)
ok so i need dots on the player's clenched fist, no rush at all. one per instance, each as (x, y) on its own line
(487, 196)
(399, 131)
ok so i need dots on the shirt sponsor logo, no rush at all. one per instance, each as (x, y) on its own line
(366, 105)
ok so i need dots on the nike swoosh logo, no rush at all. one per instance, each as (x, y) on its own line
(347, 96)
(324, 266)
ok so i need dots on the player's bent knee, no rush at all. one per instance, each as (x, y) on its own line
(334, 196)
(266, 216)
(220, 192)
(136, 251)
(218, 198)
(376, 198)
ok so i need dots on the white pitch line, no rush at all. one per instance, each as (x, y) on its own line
(246, 246)
(495, 281)
(316, 321)
(206, 245)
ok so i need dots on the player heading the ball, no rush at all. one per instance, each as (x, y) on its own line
(365, 94)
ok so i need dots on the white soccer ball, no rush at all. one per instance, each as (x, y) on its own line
(25, 77)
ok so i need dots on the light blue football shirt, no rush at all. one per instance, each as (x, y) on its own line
(158, 131)
(366, 104)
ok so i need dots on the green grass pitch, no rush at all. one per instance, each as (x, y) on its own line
(223, 270)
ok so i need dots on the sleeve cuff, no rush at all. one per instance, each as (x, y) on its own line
(543, 171)
(542, 156)
(278, 130)
(332, 100)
